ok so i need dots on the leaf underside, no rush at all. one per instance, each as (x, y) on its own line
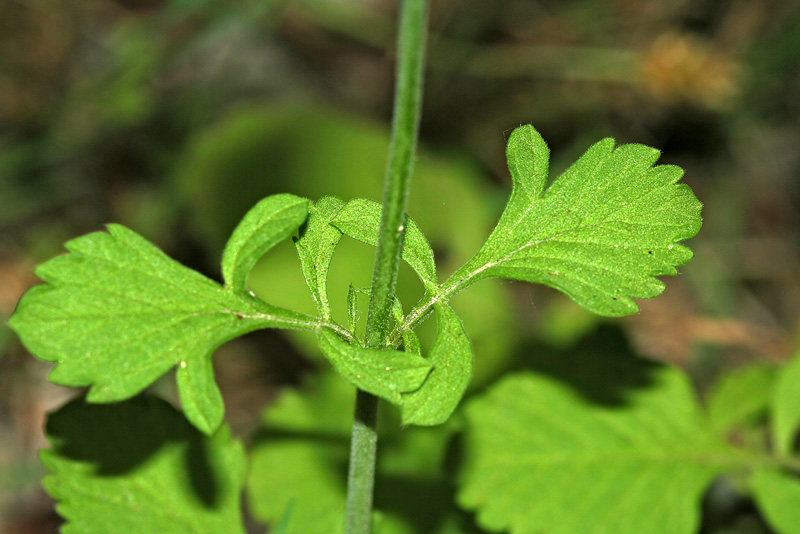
(384, 373)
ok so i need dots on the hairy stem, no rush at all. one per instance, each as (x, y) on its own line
(405, 125)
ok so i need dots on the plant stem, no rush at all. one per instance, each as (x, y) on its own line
(402, 148)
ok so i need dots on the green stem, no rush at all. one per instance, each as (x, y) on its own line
(405, 126)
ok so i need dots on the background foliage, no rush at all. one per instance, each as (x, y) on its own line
(175, 117)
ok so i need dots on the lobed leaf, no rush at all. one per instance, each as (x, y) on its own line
(777, 494)
(384, 373)
(360, 219)
(451, 357)
(785, 407)
(267, 223)
(138, 466)
(600, 233)
(315, 248)
(540, 458)
(116, 313)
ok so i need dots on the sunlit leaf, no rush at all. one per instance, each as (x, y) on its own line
(267, 223)
(385, 373)
(600, 233)
(451, 357)
(117, 313)
(360, 219)
(315, 248)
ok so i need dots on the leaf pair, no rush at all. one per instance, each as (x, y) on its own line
(427, 389)
(117, 313)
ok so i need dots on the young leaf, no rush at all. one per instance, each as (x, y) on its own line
(138, 466)
(268, 223)
(410, 339)
(360, 219)
(352, 309)
(600, 233)
(778, 496)
(384, 373)
(117, 313)
(785, 407)
(315, 248)
(542, 458)
(451, 357)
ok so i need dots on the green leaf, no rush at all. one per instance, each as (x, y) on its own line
(385, 373)
(600, 233)
(542, 458)
(785, 407)
(267, 223)
(138, 466)
(777, 494)
(117, 313)
(741, 397)
(300, 457)
(360, 219)
(410, 339)
(315, 248)
(451, 357)
(352, 309)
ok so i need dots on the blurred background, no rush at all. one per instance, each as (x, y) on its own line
(173, 117)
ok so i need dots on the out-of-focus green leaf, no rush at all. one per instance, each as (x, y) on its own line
(301, 455)
(600, 233)
(785, 407)
(117, 313)
(741, 397)
(138, 466)
(778, 496)
(384, 373)
(451, 357)
(315, 248)
(541, 458)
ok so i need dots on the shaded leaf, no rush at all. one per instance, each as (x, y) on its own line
(384, 373)
(267, 223)
(117, 313)
(138, 466)
(315, 248)
(785, 407)
(360, 219)
(540, 458)
(777, 494)
(451, 357)
(600, 233)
